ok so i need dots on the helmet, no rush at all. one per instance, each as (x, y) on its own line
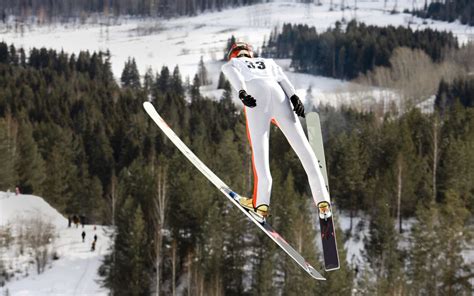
(240, 49)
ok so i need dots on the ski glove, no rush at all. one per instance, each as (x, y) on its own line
(297, 105)
(247, 99)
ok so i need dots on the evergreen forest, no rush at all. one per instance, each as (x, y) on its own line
(345, 53)
(73, 134)
(45, 11)
(448, 10)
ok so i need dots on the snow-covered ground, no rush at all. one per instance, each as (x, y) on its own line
(182, 41)
(355, 243)
(74, 272)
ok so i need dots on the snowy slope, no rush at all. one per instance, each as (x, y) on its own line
(74, 273)
(14, 208)
(182, 41)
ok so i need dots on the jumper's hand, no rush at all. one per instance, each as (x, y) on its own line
(297, 105)
(247, 99)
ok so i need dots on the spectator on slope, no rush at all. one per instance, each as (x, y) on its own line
(75, 219)
(83, 220)
(83, 236)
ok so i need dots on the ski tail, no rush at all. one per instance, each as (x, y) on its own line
(328, 232)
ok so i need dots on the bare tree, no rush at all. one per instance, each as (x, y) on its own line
(355, 9)
(399, 191)
(436, 131)
(113, 197)
(174, 247)
(462, 57)
(395, 7)
(39, 236)
(6, 239)
(413, 75)
(159, 211)
(343, 8)
(189, 265)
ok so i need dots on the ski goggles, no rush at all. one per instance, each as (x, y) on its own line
(239, 50)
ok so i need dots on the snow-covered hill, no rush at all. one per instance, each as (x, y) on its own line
(18, 207)
(182, 41)
(74, 269)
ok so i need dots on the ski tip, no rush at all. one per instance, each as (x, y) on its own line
(148, 106)
(314, 273)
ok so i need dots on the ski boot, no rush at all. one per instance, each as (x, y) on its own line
(324, 210)
(260, 213)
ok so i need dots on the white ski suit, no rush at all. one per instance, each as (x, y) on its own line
(265, 81)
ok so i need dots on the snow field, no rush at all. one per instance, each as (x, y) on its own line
(75, 270)
(182, 41)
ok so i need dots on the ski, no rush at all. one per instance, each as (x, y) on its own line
(228, 192)
(328, 238)
(328, 234)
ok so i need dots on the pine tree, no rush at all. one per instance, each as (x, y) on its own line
(347, 177)
(227, 97)
(202, 73)
(456, 171)
(4, 53)
(265, 251)
(61, 170)
(56, 185)
(291, 218)
(91, 204)
(382, 250)
(100, 154)
(222, 80)
(148, 80)
(194, 91)
(7, 170)
(163, 80)
(424, 269)
(212, 253)
(456, 275)
(127, 269)
(223, 217)
(30, 165)
(130, 75)
(177, 83)
(139, 281)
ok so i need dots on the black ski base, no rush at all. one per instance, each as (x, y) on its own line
(328, 238)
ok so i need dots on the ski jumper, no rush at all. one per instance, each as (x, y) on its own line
(266, 82)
